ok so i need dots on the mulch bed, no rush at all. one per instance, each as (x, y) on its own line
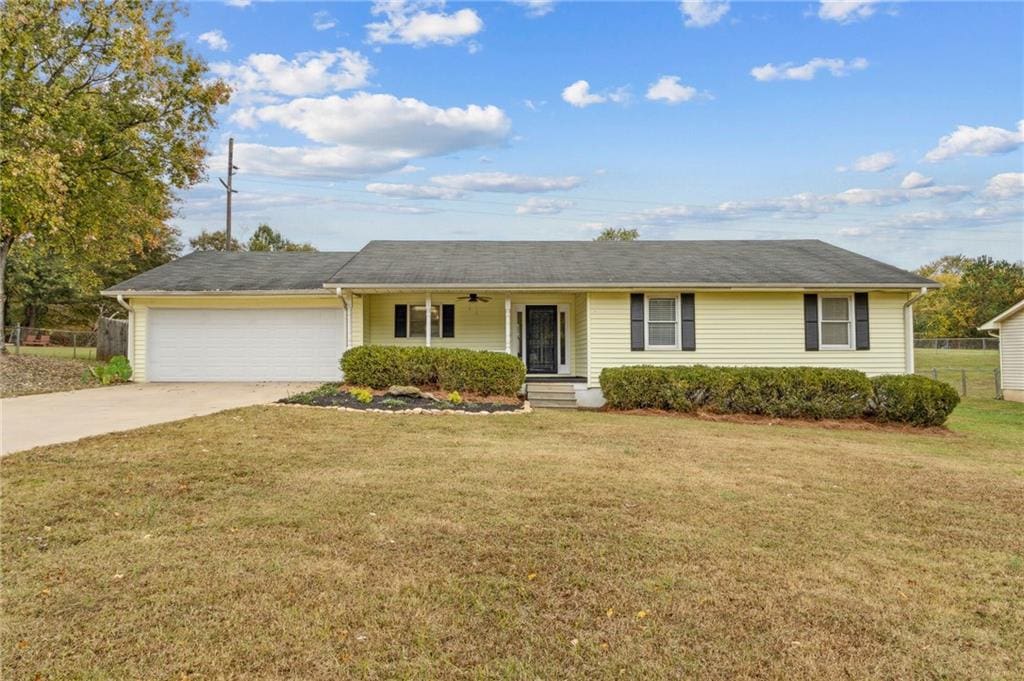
(28, 375)
(863, 424)
(331, 396)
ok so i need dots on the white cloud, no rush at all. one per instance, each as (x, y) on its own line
(365, 133)
(846, 11)
(323, 21)
(854, 231)
(308, 73)
(670, 90)
(984, 140)
(915, 180)
(215, 40)
(237, 3)
(1005, 186)
(411, 169)
(788, 71)
(314, 162)
(703, 13)
(579, 95)
(413, 191)
(420, 23)
(539, 206)
(804, 205)
(537, 8)
(872, 163)
(505, 182)
(387, 122)
(533, 105)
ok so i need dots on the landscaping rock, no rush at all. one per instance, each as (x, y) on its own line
(408, 391)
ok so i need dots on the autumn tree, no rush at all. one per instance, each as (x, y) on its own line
(973, 291)
(213, 241)
(103, 115)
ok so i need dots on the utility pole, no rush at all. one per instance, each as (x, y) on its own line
(227, 185)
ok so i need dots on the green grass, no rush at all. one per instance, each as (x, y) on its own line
(55, 351)
(947, 366)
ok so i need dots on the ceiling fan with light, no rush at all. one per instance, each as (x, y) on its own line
(474, 298)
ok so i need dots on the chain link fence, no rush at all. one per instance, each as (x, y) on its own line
(66, 343)
(957, 343)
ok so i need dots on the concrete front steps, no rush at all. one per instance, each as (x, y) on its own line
(551, 395)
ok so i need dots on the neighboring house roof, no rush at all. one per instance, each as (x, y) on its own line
(219, 271)
(783, 263)
(993, 324)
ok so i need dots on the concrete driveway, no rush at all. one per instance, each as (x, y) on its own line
(35, 420)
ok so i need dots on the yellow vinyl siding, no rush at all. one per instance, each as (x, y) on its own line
(580, 341)
(746, 329)
(1011, 355)
(143, 304)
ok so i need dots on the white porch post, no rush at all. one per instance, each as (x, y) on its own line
(348, 299)
(508, 323)
(428, 320)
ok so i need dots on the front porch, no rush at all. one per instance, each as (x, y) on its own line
(546, 330)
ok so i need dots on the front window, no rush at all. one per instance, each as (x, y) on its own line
(418, 321)
(661, 322)
(836, 323)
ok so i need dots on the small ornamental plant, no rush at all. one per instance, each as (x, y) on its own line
(116, 370)
(454, 397)
(361, 395)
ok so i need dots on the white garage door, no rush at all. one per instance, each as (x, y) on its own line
(245, 345)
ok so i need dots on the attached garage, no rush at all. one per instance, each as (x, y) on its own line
(238, 316)
(280, 344)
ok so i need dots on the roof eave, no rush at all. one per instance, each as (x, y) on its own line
(782, 286)
(249, 292)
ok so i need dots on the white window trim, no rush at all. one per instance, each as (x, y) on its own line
(647, 321)
(850, 322)
(434, 328)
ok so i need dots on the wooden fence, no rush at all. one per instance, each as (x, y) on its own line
(111, 338)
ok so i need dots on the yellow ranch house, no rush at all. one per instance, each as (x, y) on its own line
(568, 309)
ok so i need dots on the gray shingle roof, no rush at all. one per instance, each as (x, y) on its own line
(608, 263)
(239, 271)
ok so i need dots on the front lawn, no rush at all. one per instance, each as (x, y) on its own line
(276, 542)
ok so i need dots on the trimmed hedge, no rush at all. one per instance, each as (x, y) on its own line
(785, 392)
(478, 371)
(918, 400)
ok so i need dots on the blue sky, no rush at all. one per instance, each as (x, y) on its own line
(893, 129)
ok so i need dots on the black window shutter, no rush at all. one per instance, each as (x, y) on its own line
(689, 336)
(636, 321)
(860, 318)
(401, 321)
(447, 321)
(810, 321)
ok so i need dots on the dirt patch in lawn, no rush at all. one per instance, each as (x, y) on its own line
(830, 424)
(26, 375)
(334, 395)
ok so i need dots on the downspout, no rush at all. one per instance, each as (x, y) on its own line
(908, 330)
(346, 303)
(131, 329)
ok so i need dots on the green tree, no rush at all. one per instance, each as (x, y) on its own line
(39, 278)
(213, 241)
(265, 238)
(103, 114)
(618, 234)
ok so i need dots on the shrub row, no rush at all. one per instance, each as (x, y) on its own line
(486, 373)
(785, 392)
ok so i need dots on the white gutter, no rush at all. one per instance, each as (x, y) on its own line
(131, 328)
(908, 330)
(626, 286)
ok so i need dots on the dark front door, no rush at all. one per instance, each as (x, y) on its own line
(541, 339)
